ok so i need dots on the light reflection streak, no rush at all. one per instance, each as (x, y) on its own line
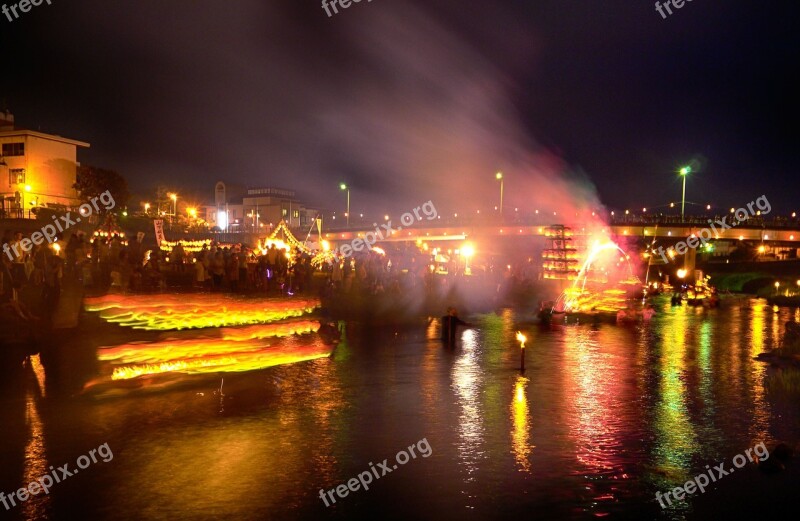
(591, 379)
(466, 382)
(35, 458)
(520, 433)
(706, 383)
(597, 400)
(676, 439)
(755, 377)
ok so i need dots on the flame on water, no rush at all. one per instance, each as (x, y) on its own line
(244, 350)
(197, 311)
(259, 357)
(227, 334)
(593, 290)
(231, 341)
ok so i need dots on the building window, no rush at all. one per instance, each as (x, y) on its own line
(13, 149)
(284, 212)
(16, 176)
(296, 214)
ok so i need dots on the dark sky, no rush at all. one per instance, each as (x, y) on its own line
(579, 102)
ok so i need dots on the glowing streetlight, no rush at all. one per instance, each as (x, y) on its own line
(777, 287)
(344, 187)
(681, 273)
(467, 250)
(174, 198)
(685, 171)
(146, 208)
(499, 177)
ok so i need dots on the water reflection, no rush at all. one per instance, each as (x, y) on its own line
(520, 416)
(755, 376)
(35, 457)
(620, 413)
(467, 378)
(676, 439)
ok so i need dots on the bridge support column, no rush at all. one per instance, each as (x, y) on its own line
(689, 263)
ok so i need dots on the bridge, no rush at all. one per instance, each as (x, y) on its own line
(783, 232)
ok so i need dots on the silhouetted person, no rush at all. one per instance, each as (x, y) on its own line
(450, 323)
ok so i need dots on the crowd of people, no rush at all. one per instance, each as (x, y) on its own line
(38, 271)
(111, 262)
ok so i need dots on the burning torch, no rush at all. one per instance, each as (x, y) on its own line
(522, 339)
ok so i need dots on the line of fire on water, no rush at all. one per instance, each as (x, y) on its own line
(175, 312)
(258, 335)
(252, 356)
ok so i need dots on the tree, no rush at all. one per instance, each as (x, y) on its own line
(93, 181)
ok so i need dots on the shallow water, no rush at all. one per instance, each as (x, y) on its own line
(602, 418)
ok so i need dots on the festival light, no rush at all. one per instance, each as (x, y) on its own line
(592, 290)
(198, 355)
(171, 312)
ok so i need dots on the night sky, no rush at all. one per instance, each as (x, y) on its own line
(579, 103)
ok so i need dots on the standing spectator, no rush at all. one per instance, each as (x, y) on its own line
(233, 271)
(217, 267)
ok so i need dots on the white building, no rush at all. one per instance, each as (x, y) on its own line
(257, 209)
(36, 170)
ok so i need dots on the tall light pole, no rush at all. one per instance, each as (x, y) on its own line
(685, 171)
(499, 177)
(174, 198)
(344, 187)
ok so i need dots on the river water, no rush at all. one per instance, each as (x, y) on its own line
(602, 418)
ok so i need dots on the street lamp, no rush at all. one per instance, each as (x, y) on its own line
(343, 186)
(174, 198)
(499, 177)
(685, 171)
(146, 208)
